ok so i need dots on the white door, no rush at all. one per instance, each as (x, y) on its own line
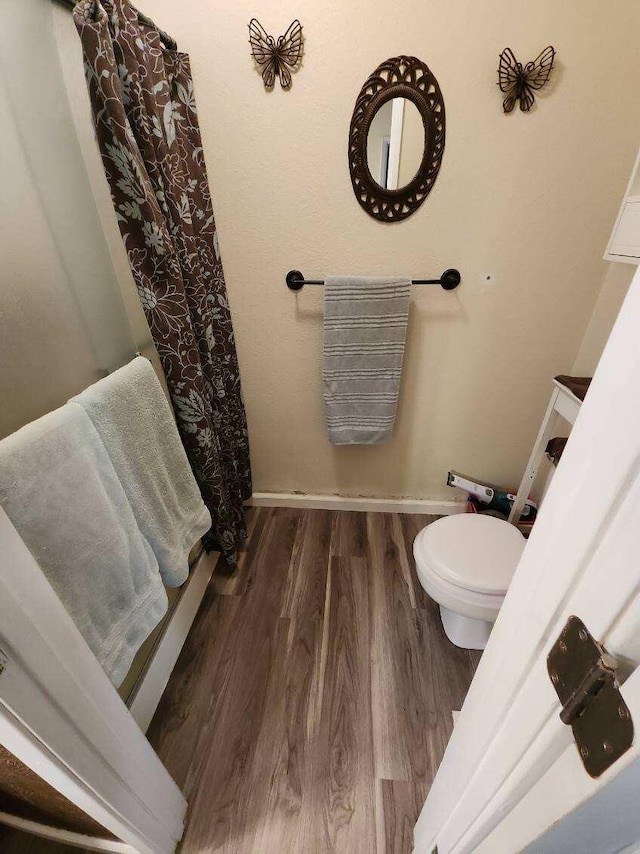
(512, 773)
(60, 715)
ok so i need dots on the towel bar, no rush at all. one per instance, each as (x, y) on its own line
(449, 280)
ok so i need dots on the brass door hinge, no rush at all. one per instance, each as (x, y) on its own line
(584, 677)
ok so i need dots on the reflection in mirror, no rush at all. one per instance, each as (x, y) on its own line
(395, 143)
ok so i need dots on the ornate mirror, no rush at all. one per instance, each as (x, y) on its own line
(396, 138)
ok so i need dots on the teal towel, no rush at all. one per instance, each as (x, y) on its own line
(60, 491)
(135, 422)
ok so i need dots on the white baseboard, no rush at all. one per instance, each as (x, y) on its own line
(370, 505)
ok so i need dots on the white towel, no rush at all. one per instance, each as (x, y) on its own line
(365, 325)
(136, 425)
(59, 489)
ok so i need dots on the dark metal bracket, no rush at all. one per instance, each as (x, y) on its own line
(583, 674)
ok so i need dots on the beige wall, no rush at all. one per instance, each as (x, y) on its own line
(45, 352)
(64, 287)
(528, 198)
(614, 289)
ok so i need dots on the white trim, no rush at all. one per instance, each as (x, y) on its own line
(17, 739)
(88, 746)
(146, 696)
(147, 693)
(68, 837)
(369, 505)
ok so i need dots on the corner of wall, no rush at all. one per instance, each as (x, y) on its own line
(610, 298)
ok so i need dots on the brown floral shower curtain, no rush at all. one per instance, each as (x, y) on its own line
(147, 129)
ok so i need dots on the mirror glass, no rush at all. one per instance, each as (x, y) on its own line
(395, 143)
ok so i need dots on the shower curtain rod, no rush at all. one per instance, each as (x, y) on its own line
(142, 18)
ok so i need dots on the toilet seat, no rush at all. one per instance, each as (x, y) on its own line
(469, 603)
(471, 551)
(466, 563)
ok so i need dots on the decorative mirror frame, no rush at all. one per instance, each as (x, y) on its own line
(398, 77)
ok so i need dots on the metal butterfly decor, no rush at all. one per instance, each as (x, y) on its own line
(276, 57)
(520, 82)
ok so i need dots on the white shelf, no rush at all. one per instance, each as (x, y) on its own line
(564, 403)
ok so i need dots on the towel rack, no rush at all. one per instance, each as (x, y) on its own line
(449, 280)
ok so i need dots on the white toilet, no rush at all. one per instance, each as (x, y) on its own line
(466, 563)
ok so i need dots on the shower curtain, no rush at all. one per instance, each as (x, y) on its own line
(146, 124)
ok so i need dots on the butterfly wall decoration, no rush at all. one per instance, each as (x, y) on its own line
(519, 81)
(276, 57)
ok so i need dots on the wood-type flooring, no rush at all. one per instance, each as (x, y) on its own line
(311, 704)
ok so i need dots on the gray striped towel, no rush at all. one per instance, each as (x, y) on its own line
(365, 325)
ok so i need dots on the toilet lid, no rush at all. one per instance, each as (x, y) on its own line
(473, 551)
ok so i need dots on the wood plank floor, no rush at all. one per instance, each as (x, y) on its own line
(311, 704)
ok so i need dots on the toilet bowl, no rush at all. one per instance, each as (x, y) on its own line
(466, 563)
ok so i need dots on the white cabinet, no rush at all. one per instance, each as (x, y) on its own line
(624, 243)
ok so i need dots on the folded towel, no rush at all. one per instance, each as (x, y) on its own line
(59, 489)
(136, 425)
(365, 325)
(576, 385)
